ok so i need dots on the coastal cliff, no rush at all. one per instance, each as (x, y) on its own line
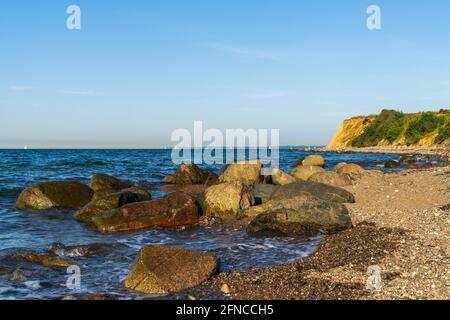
(394, 128)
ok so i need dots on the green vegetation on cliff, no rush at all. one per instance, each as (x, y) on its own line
(392, 127)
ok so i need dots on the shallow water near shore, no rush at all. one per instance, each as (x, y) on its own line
(103, 273)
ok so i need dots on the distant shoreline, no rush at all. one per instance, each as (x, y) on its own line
(440, 151)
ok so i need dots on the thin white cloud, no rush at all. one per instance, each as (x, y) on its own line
(244, 51)
(80, 92)
(20, 88)
(266, 95)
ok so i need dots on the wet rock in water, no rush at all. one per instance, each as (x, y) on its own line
(391, 164)
(226, 200)
(304, 172)
(332, 178)
(263, 192)
(349, 168)
(88, 250)
(190, 189)
(106, 182)
(246, 172)
(300, 215)
(168, 179)
(173, 211)
(313, 160)
(162, 270)
(112, 201)
(319, 190)
(47, 260)
(56, 194)
(279, 177)
(18, 276)
(408, 160)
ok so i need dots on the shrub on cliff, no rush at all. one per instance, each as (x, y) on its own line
(388, 125)
(425, 124)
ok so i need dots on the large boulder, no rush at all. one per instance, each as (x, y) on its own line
(246, 172)
(319, 190)
(349, 168)
(172, 211)
(314, 160)
(300, 215)
(304, 172)
(191, 189)
(226, 200)
(106, 182)
(191, 174)
(56, 194)
(280, 178)
(162, 270)
(112, 201)
(332, 178)
(263, 192)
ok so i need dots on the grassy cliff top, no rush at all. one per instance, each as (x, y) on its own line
(394, 128)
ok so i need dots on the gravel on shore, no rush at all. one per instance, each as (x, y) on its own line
(401, 228)
(442, 151)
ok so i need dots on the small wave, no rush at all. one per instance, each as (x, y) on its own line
(9, 192)
(79, 164)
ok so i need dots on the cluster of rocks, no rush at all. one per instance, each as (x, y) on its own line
(306, 201)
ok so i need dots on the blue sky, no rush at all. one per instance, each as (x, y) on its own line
(137, 70)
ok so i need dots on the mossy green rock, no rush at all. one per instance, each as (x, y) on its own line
(300, 215)
(162, 270)
(172, 211)
(109, 202)
(56, 194)
(246, 172)
(263, 192)
(226, 200)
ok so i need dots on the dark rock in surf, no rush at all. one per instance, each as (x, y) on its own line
(106, 182)
(56, 194)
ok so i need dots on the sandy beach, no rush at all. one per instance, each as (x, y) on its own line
(401, 225)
